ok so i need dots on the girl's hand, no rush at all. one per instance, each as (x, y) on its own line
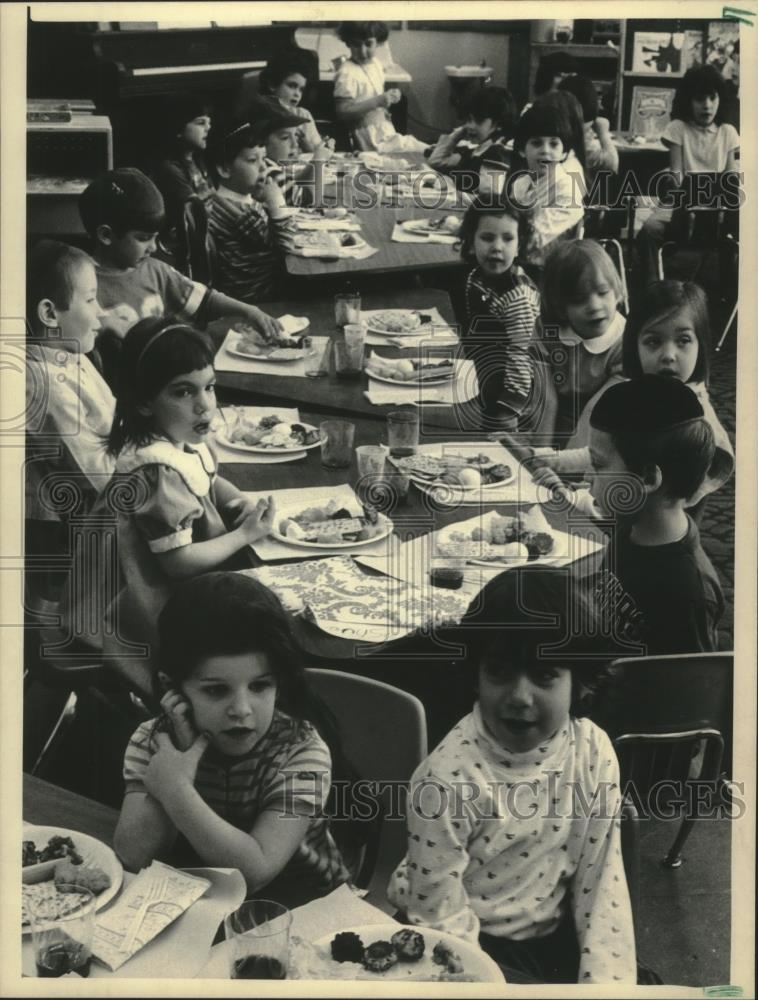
(243, 506)
(393, 95)
(269, 326)
(179, 713)
(271, 193)
(170, 768)
(601, 126)
(258, 522)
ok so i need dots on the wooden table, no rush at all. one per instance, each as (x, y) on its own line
(49, 805)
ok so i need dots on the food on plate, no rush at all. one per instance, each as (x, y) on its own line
(443, 954)
(56, 903)
(464, 471)
(253, 342)
(57, 847)
(408, 944)
(329, 242)
(409, 369)
(330, 524)
(272, 432)
(379, 956)
(347, 947)
(395, 320)
(68, 874)
(503, 537)
(449, 224)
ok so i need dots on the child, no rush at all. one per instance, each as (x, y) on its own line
(123, 212)
(551, 195)
(502, 305)
(551, 70)
(182, 175)
(599, 150)
(359, 95)
(651, 449)
(500, 849)
(698, 140)
(667, 334)
(580, 331)
(69, 407)
(235, 765)
(285, 78)
(491, 118)
(248, 217)
(183, 519)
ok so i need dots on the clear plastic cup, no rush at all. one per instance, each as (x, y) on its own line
(62, 927)
(336, 443)
(258, 933)
(402, 433)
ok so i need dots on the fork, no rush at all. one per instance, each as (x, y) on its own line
(153, 894)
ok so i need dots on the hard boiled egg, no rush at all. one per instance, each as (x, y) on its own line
(469, 477)
(404, 367)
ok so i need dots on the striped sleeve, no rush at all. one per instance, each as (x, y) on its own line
(138, 755)
(301, 785)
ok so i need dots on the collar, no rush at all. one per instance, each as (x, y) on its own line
(241, 199)
(598, 345)
(195, 465)
(52, 354)
(705, 129)
(528, 762)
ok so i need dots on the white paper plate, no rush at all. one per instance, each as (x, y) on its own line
(319, 244)
(560, 542)
(476, 963)
(92, 851)
(259, 450)
(429, 485)
(299, 542)
(273, 358)
(373, 326)
(421, 228)
(415, 382)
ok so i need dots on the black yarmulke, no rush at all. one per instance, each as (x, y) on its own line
(645, 405)
(125, 199)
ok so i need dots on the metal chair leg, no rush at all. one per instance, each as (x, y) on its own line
(727, 328)
(61, 726)
(674, 857)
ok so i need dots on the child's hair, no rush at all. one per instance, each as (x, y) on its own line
(231, 137)
(543, 118)
(541, 614)
(585, 92)
(284, 64)
(124, 199)
(660, 299)
(154, 351)
(50, 270)
(699, 82)
(570, 106)
(180, 109)
(570, 264)
(550, 66)
(658, 421)
(497, 207)
(354, 32)
(228, 614)
(495, 103)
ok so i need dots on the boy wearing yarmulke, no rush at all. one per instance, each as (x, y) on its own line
(123, 212)
(651, 447)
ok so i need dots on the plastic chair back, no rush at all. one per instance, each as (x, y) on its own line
(383, 732)
(199, 248)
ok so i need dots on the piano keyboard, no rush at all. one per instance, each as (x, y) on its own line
(201, 68)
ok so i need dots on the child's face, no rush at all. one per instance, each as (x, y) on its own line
(128, 250)
(194, 135)
(290, 90)
(611, 479)
(668, 345)
(496, 243)
(232, 700)
(246, 171)
(363, 51)
(183, 409)
(594, 308)
(480, 131)
(80, 323)
(523, 704)
(542, 150)
(283, 144)
(704, 109)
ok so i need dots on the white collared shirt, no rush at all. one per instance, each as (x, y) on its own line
(597, 345)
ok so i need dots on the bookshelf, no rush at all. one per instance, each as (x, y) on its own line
(599, 62)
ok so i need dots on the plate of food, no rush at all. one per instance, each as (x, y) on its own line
(443, 225)
(395, 953)
(383, 164)
(253, 345)
(410, 371)
(269, 435)
(330, 526)
(395, 322)
(328, 241)
(501, 538)
(455, 471)
(52, 856)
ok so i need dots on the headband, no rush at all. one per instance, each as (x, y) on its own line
(157, 336)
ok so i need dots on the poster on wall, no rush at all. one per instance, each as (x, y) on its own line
(651, 111)
(656, 52)
(722, 49)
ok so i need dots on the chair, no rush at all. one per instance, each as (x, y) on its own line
(383, 731)
(669, 717)
(198, 248)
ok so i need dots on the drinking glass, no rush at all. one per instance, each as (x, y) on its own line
(347, 308)
(336, 443)
(315, 359)
(402, 433)
(348, 352)
(258, 933)
(371, 460)
(62, 939)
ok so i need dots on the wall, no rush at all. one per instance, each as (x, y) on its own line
(424, 54)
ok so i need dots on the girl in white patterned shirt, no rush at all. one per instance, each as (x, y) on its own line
(513, 819)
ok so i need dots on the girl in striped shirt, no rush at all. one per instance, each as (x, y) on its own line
(501, 307)
(234, 772)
